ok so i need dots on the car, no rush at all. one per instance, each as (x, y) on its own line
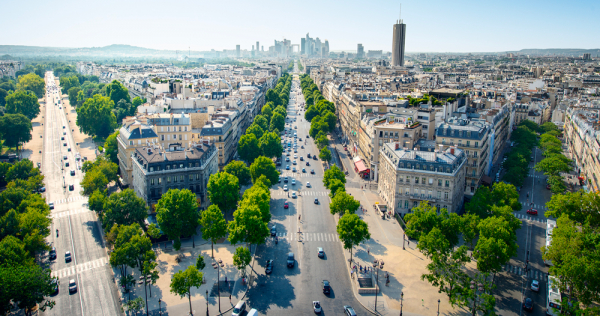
(326, 287)
(289, 150)
(314, 157)
(316, 200)
(535, 285)
(42, 189)
(294, 162)
(286, 204)
(66, 164)
(303, 170)
(55, 283)
(273, 230)
(295, 150)
(68, 256)
(65, 144)
(62, 138)
(71, 187)
(52, 253)
(293, 181)
(294, 195)
(294, 169)
(308, 155)
(39, 165)
(239, 309)
(301, 158)
(531, 158)
(287, 154)
(302, 146)
(287, 159)
(547, 187)
(528, 304)
(51, 206)
(312, 171)
(279, 181)
(72, 286)
(317, 307)
(64, 133)
(306, 136)
(269, 267)
(532, 211)
(290, 260)
(285, 188)
(287, 167)
(349, 311)
(285, 180)
(295, 156)
(320, 252)
(308, 184)
(65, 157)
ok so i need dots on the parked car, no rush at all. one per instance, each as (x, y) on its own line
(317, 307)
(349, 311)
(51, 206)
(269, 267)
(273, 230)
(52, 253)
(68, 256)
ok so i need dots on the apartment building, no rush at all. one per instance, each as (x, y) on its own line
(500, 131)
(132, 135)
(220, 131)
(407, 177)
(471, 136)
(582, 138)
(155, 171)
(172, 129)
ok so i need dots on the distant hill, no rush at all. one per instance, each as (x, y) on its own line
(575, 52)
(115, 50)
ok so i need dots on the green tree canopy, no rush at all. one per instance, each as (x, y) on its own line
(256, 130)
(352, 231)
(343, 203)
(73, 92)
(239, 170)
(247, 226)
(212, 225)
(95, 116)
(277, 122)
(111, 147)
(223, 190)
(333, 173)
(15, 129)
(34, 83)
(336, 186)
(241, 259)
(124, 208)
(23, 102)
(260, 196)
(182, 282)
(270, 145)
(116, 92)
(264, 166)
(325, 154)
(177, 214)
(261, 121)
(248, 147)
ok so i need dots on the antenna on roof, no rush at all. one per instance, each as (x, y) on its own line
(401, 11)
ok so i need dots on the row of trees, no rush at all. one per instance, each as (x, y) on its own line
(554, 162)
(300, 67)
(517, 160)
(574, 250)
(291, 65)
(321, 115)
(488, 229)
(24, 225)
(262, 137)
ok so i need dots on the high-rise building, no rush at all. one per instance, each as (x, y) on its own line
(302, 46)
(398, 43)
(237, 51)
(257, 46)
(318, 47)
(326, 49)
(360, 51)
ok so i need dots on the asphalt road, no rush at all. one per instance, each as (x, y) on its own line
(290, 291)
(78, 229)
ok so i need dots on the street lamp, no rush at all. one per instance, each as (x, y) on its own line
(401, 299)
(438, 307)
(218, 284)
(206, 302)
(159, 307)
(403, 241)
(376, 267)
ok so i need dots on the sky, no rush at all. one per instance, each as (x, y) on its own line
(432, 25)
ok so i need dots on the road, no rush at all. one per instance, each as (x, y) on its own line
(77, 227)
(290, 291)
(515, 283)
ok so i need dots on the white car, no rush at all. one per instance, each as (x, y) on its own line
(285, 188)
(308, 184)
(293, 181)
(535, 285)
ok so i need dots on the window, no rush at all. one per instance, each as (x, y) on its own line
(443, 141)
(424, 181)
(405, 134)
(445, 195)
(181, 178)
(175, 179)
(407, 191)
(472, 189)
(430, 181)
(159, 180)
(429, 194)
(168, 167)
(162, 137)
(422, 193)
(180, 128)
(180, 165)
(130, 142)
(406, 204)
(161, 128)
(179, 136)
(476, 144)
(416, 180)
(191, 178)
(468, 143)
(396, 135)
(430, 167)
(386, 134)
(197, 165)
(439, 194)
(168, 179)
(447, 183)
(197, 176)
(151, 181)
(139, 141)
(151, 168)
(439, 182)
(174, 136)
(407, 179)
(474, 172)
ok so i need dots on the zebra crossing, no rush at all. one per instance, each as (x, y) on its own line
(535, 176)
(299, 174)
(303, 193)
(532, 273)
(98, 263)
(538, 207)
(530, 218)
(71, 199)
(69, 212)
(324, 237)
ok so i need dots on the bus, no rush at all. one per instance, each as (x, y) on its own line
(550, 225)
(554, 299)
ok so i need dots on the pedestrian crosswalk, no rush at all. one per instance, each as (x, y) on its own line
(324, 237)
(80, 268)
(530, 218)
(69, 212)
(71, 199)
(538, 207)
(304, 192)
(532, 273)
(531, 175)
(299, 174)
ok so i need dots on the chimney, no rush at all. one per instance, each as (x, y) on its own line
(452, 150)
(397, 146)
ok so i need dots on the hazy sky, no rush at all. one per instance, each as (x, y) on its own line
(432, 25)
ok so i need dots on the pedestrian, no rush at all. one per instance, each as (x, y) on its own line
(229, 298)
(352, 274)
(368, 251)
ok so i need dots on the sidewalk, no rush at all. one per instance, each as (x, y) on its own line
(404, 267)
(172, 304)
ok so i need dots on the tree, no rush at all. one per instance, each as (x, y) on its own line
(96, 202)
(27, 286)
(424, 218)
(117, 92)
(111, 147)
(177, 214)
(223, 190)
(333, 173)
(122, 109)
(262, 122)
(3, 95)
(554, 165)
(260, 196)
(330, 119)
(15, 129)
(256, 130)
(581, 207)
(270, 145)
(23, 102)
(336, 186)
(92, 181)
(183, 282)
(124, 208)
(281, 110)
(73, 92)
(212, 225)
(248, 147)
(343, 203)
(496, 245)
(200, 262)
(22, 170)
(95, 116)
(12, 250)
(264, 166)
(310, 113)
(325, 154)
(135, 305)
(247, 226)
(32, 82)
(135, 103)
(267, 111)
(242, 258)
(321, 141)
(277, 121)
(352, 231)
(239, 170)
(67, 82)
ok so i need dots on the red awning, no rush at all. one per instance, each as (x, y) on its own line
(360, 166)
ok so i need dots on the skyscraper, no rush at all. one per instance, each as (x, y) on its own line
(326, 49)
(302, 46)
(398, 43)
(237, 50)
(257, 46)
(360, 51)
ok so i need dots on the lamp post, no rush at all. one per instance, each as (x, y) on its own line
(159, 306)
(206, 302)
(218, 284)
(403, 241)
(438, 307)
(376, 267)
(401, 299)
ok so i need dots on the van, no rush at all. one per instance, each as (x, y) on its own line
(239, 308)
(253, 312)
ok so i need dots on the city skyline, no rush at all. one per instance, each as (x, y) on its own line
(445, 28)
